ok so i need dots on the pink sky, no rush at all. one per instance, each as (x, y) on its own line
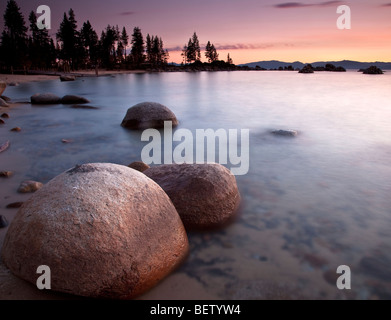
(250, 30)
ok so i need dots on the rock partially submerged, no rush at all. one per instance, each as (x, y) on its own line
(4, 146)
(45, 98)
(285, 133)
(148, 115)
(373, 70)
(29, 186)
(307, 69)
(105, 230)
(67, 78)
(81, 106)
(3, 103)
(205, 195)
(72, 99)
(6, 174)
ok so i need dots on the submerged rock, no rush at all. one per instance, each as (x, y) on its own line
(78, 106)
(5, 98)
(205, 195)
(29, 186)
(6, 174)
(4, 146)
(45, 98)
(285, 133)
(2, 121)
(72, 99)
(67, 78)
(373, 70)
(139, 166)
(148, 115)
(105, 230)
(3, 103)
(14, 205)
(16, 129)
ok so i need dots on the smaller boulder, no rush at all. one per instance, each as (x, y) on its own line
(148, 115)
(5, 116)
(206, 196)
(2, 121)
(30, 187)
(46, 98)
(16, 129)
(72, 99)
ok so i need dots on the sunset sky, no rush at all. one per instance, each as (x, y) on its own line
(250, 30)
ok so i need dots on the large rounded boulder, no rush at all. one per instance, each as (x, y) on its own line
(205, 195)
(148, 115)
(105, 231)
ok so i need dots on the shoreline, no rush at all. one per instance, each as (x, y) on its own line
(12, 79)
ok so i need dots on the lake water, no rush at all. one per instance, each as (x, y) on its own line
(309, 204)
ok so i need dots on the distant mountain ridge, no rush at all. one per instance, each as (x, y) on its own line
(347, 64)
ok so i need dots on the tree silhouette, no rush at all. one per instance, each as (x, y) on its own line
(124, 39)
(14, 37)
(211, 53)
(192, 51)
(71, 49)
(138, 56)
(41, 49)
(229, 59)
(90, 42)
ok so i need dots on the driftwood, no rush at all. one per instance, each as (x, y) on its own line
(4, 146)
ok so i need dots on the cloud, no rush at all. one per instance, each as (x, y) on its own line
(243, 46)
(386, 4)
(290, 5)
(127, 13)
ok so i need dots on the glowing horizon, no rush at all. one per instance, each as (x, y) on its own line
(250, 30)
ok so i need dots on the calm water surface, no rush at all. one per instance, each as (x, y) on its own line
(310, 204)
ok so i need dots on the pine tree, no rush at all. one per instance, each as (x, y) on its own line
(196, 47)
(41, 50)
(211, 53)
(71, 48)
(149, 48)
(14, 39)
(229, 59)
(90, 42)
(137, 47)
(125, 39)
(192, 51)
